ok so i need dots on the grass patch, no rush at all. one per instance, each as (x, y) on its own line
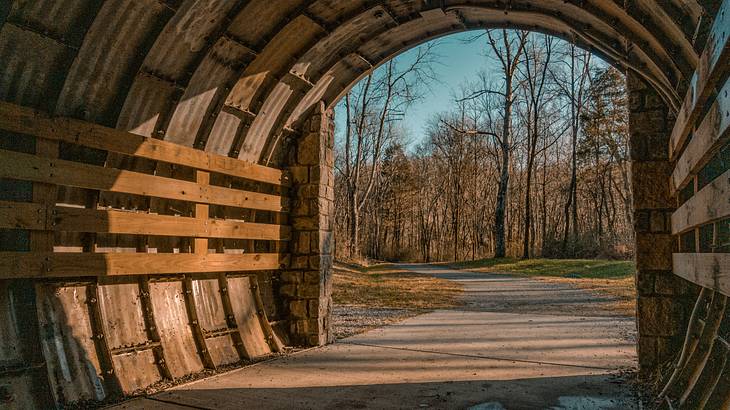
(603, 277)
(568, 268)
(385, 286)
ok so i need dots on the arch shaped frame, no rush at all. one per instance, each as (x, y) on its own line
(255, 81)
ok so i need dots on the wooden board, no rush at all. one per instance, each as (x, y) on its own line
(25, 120)
(710, 270)
(171, 320)
(22, 215)
(245, 310)
(28, 167)
(35, 265)
(709, 204)
(712, 67)
(17, 215)
(713, 133)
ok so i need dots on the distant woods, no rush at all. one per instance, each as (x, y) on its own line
(531, 160)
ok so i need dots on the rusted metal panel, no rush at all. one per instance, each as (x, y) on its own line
(246, 313)
(211, 315)
(147, 99)
(257, 30)
(136, 370)
(125, 327)
(65, 21)
(99, 78)
(346, 37)
(18, 392)
(331, 11)
(68, 343)
(23, 378)
(224, 132)
(257, 137)
(212, 319)
(172, 53)
(30, 64)
(168, 301)
(209, 84)
(274, 61)
(222, 349)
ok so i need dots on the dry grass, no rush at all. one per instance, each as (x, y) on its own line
(623, 289)
(386, 286)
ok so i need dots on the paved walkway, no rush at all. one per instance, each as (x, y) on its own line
(500, 352)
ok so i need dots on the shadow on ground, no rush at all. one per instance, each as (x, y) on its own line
(576, 392)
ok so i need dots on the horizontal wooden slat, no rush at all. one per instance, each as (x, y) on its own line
(710, 203)
(25, 120)
(22, 215)
(713, 132)
(52, 265)
(28, 167)
(710, 270)
(140, 223)
(711, 69)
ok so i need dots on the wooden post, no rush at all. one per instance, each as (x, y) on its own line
(200, 247)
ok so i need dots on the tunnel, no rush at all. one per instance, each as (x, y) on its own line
(167, 177)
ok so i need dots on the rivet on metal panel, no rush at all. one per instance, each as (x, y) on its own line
(92, 300)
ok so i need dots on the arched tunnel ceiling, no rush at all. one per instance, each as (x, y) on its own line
(232, 76)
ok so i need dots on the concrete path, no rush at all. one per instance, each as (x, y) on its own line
(500, 352)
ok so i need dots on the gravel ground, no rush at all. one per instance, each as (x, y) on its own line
(348, 320)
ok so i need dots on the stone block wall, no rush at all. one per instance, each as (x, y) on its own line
(664, 299)
(306, 287)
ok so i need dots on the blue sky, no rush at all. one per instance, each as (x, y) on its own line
(459, 62)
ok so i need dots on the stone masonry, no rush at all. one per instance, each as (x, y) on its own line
(306, 287)
(664, 299)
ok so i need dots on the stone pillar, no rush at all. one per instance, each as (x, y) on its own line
(663, 298)
(306, 287)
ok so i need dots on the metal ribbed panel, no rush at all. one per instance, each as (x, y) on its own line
(65, 21)
(343, 39)
(214, 75)
(147, 98)
(185, 36)
(32, 67)
(258, 21)
(109, 57)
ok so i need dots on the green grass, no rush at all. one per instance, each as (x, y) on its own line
(571, 268)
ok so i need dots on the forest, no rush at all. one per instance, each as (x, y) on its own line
(531, 159)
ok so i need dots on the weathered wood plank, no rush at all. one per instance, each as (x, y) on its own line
(202, 211)
(19, 215)
(712, 67)
(27, 167)
(713, 132)
(22, 215)
(25, 120)
(710, 270)
(47, 265)
(710, 203)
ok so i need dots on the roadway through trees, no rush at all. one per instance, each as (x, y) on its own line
(516, 343)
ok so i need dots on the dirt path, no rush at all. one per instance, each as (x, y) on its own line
(513, 346)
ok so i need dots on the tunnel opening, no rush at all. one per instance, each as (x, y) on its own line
(211, 122)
